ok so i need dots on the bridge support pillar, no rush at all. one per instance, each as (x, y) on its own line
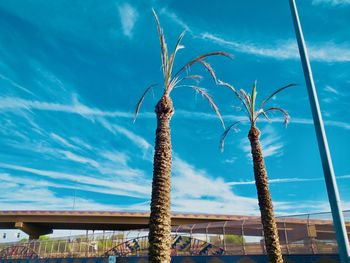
(33, 231)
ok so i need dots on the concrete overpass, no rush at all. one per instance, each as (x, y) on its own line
(37, 223)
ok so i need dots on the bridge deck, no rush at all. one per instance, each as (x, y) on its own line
(36, 223)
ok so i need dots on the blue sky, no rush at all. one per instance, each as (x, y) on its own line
(72, 72)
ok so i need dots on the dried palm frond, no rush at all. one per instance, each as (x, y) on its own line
(200, 58)
(139, 103)
(172, 81)
(209, 99)
(176, 49)
(274, 93)
(223, 136)
(249, 103)
(163, 45)
(242, 100)
(262, 112)
(284, 112)
(178, 80)
(209, 68)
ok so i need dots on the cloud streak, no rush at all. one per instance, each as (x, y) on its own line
(128, 17)
(331, 2)
(285, 50)
(280, 50)
(271, 144)
(114, 186)
(15, 104)
(287, 180)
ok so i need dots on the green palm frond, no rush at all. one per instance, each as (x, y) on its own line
(253, 99)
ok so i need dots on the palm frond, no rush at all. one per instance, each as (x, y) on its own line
(274, 93)
(176, 49)
(248, 101)
(139, 103)
(223, 136)
(178, 80)
(194, 76)
(163, 45)
(209, 68)
(285, 114)
(220, 82)
(253, 99)
(209, 99)
(262, 112)
(201, 57)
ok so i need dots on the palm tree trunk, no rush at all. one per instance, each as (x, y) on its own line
(160, 218)
(265, 202)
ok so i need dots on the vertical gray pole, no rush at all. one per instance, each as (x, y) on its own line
(331, 184)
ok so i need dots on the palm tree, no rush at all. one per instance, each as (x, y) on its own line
(160, 218)
(248, 102)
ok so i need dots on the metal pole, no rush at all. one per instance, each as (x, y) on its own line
(331, 184)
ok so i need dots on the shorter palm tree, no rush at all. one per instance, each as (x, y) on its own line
(160, 218)
(248, 102)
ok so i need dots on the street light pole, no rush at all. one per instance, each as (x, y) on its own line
(331, 184)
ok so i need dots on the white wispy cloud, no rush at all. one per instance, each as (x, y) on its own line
(278, 180)
(331, 2)
(195, 190)
(62, 140)
(332, 96)
(115, 156)
(287, 180)
(138, 140)
(175, 18)
(271, 143)
(133, 137)
(286, 49)
(81, 143)
(15, 84)
(281, 50)
(18, 193)
(80, 159)
(107, 184)
(230, 160)
(272, 146)
(13, 103)
(128, 16)
(330, 89)
(331, 123)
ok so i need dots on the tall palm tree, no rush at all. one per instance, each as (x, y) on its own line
(248, 102)
(160, 218)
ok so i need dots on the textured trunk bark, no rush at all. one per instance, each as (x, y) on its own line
(265, 203)
(160, 218)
